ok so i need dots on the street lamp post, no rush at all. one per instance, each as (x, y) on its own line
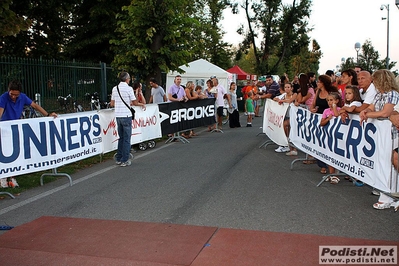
(387, 18)
(357, 48)
(343, 62)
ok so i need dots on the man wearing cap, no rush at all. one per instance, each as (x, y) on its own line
(221, 92)
(121, 94)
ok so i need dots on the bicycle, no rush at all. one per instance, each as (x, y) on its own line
(65, 103)
(225, 117)
(95, 102)
(78, 107)
(30, 112)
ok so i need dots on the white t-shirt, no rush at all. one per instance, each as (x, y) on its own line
(369, 95)
(221, 92)
(282, 96)
(354, 103)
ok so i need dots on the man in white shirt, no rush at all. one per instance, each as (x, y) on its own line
(366, 88)
(367, 92)
(221, 92)
(121, 94)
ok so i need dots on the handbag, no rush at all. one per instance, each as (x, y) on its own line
(130, 108)
(175, 94)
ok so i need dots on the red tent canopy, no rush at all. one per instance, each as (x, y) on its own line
(241, 75)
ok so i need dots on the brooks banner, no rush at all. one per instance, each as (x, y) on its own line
(179, 116)
(273, 119)
(361, 151)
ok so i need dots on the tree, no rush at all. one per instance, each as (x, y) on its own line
(209, 43)
(368, 59)
(283, 29)
(305, 61)
(94, 23)
(47, 32)
(154, 37)
(10, 22)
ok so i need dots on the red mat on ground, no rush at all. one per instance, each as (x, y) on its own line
(63, 241)
(76, 241)
(252, 248)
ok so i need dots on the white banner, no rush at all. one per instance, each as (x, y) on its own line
(32, 145)
(145, 126)
(273, 119)
(361, 151)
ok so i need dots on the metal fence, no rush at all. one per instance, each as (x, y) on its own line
(46, 80)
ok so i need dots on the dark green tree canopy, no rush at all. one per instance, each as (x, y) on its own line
(10, 22)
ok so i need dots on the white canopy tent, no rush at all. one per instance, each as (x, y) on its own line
(199, 71)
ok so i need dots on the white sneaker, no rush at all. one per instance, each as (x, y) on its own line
(292, 153)
(282, 149)
(3, 182)
(127, 163)
(375, 192)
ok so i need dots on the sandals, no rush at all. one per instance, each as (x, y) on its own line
(323, 171)
(334, 180)
(383, 205)
(185, 136)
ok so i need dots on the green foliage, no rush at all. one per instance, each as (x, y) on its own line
(284, 30)
(10, 22)
(209, 39)
(94, 24)
(368, 59)
(48, 29)
(154, 36)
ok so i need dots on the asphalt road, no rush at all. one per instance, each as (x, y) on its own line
(218, 179)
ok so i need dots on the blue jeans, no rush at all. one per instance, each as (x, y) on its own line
(125, 132)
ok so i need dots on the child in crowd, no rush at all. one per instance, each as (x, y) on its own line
(201, 94)
(249, 104)
(352, 99)
(287, 97)
(334, 104)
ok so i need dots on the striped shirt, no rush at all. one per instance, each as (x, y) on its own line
(128, 96)
(381, 99)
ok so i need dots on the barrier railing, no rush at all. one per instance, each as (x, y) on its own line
(33, 145)
(359, 151)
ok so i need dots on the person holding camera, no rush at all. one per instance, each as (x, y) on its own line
(122, 98)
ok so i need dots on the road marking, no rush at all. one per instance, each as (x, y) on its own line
(54, 190)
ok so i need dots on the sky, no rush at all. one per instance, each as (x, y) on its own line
(337, 26)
